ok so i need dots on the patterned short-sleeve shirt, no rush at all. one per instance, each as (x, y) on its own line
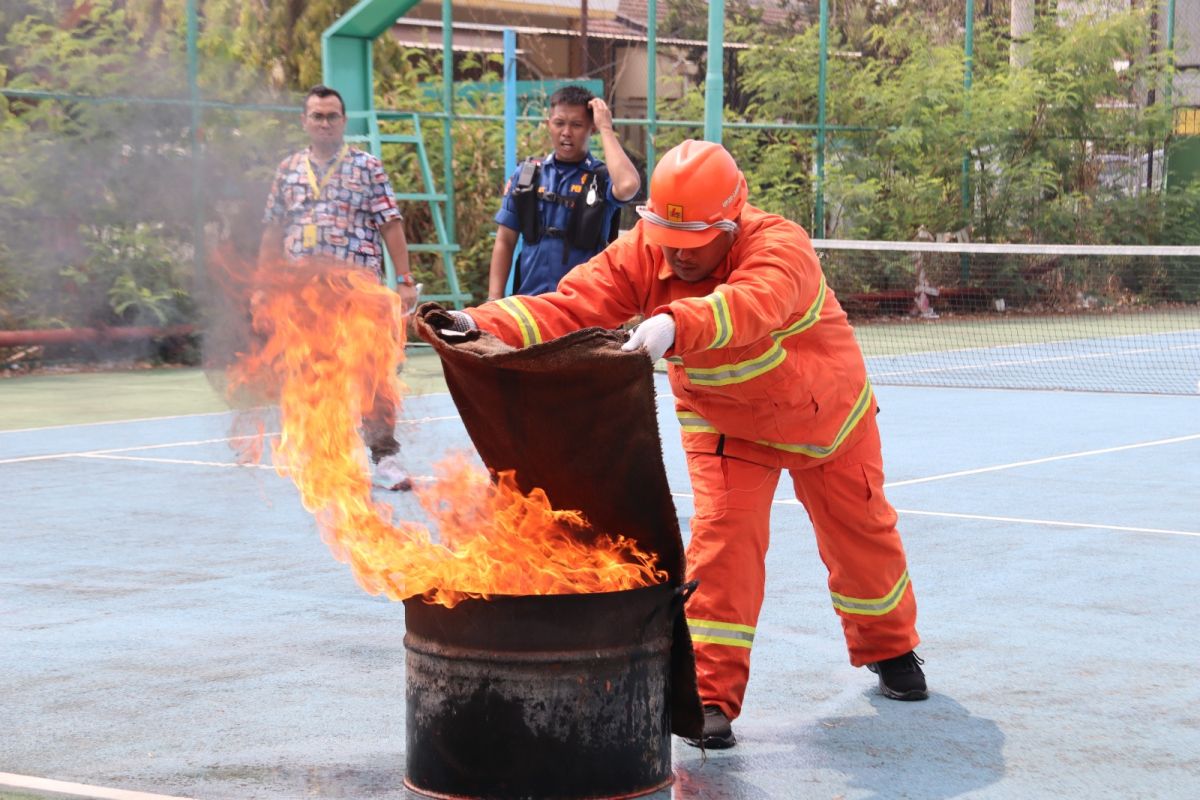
(343, 218)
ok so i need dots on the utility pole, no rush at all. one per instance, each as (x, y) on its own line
(1021, 19)
(583, 36)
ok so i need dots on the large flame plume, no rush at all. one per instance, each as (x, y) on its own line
(326, 341)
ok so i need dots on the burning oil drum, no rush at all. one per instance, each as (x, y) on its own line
(563, 696)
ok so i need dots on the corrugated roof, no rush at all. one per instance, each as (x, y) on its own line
(635, 12)
(628, 24)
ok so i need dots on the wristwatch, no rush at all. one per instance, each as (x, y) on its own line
(407, 279)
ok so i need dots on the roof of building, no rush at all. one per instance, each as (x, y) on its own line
(635, 13)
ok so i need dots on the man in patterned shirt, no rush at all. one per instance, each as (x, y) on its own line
(333, 200)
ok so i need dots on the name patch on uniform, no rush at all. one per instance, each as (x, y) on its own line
(674, 213)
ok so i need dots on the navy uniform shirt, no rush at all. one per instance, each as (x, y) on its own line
(540, 266)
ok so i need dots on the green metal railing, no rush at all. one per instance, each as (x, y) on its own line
(443, 205)
(438, 201)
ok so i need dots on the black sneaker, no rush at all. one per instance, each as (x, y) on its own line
(718, 735)
(901, 678)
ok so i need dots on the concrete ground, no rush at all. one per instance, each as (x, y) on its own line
(171, 623)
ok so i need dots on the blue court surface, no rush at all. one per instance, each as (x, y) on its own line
(172, 624)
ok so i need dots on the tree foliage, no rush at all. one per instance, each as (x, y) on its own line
(99, 200)
(1054, 149)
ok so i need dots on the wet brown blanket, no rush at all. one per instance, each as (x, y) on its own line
(576, 417)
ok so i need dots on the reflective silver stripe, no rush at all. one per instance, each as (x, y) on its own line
(727, 633)
(739, 372)
(742, 371)
(721, 320)
(873, 607)
(530, 334)
(810, 318)
(818, 451)
(692, 422)
(723, 224)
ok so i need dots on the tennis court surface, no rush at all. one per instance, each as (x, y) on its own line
(172, 624)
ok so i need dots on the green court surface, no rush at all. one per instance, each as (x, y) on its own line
(77, 398)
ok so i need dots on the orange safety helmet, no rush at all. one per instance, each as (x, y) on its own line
(696, 192)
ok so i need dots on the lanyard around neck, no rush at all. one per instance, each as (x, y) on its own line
(319, 186)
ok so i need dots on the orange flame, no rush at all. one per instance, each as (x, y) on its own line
(329, 339)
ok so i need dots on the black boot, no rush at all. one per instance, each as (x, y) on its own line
(718, 735)
(901, 678)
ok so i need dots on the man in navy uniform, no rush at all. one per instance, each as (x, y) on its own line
(564, 206)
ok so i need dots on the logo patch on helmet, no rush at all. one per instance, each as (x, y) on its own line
(737, 188)
(674, 213)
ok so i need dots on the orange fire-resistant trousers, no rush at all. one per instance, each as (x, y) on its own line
(856, 536)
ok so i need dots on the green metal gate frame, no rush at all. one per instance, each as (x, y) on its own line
(346, 65)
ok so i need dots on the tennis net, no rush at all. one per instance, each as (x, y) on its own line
(1058, 317)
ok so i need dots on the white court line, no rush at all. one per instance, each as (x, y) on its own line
(1058, 523)
(1015, 464)
(189, 462)
(150, 419)
(228, 465)
(107, 451)
(191, 443)
(68, 789)
(114, 422)
(1018, 362)
(791, 501)
(222, 464)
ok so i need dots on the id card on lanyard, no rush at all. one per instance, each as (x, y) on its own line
(309, 234)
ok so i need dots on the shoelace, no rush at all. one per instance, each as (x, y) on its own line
(909, 662)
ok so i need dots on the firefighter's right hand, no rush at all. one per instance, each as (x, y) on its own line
(655, 335)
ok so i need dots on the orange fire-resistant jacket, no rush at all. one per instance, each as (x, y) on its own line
(764, 359)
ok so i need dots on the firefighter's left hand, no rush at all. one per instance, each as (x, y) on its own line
(447, 319)
(601, 114)
(655, 335)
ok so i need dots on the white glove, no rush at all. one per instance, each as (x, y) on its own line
(655, 335)
(463, 321)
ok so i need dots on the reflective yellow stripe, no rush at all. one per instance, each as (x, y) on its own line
(699, 637)
(723, 626)
(740, 372)
(873, 607)
(530, 334)
(775, 355)
(817, 451)
(721, 320)
(728, 633)
(691, 422)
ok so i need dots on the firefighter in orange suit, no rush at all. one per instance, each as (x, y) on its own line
(767, 377)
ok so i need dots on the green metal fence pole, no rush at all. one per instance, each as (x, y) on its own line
(651, 84)
(969, 48)
(822, 61)
(448, 120)
(1170, 44)
(1171, 34)
(193, 73)
(714, 81)
(1169, 89)
(968, 70)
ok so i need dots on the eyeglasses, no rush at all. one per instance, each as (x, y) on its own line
(332, 118)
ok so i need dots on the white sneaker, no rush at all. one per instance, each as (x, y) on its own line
(390, 474)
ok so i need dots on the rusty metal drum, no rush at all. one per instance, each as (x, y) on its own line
(562, 696)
